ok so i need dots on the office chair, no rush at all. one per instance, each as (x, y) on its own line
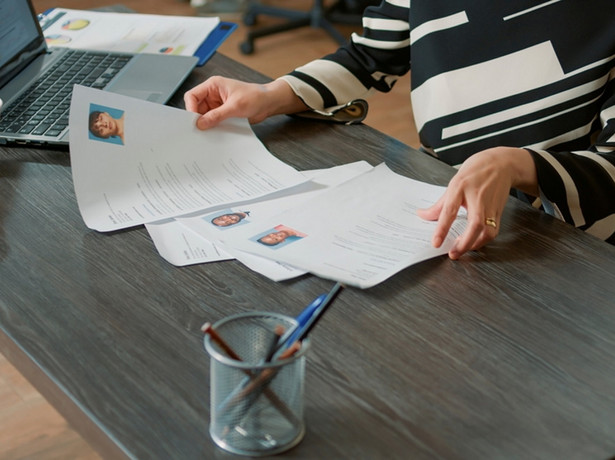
(319, 16)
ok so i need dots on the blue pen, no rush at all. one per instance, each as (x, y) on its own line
(306, 320)
(319, 312)
(302, 319)
(284, 341)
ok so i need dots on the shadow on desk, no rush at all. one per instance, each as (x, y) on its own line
(8, 171)
(26, 165)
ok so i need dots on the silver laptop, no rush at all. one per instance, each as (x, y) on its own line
(36, 82)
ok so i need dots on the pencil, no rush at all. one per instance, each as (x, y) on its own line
(241, 402)
(207, 328)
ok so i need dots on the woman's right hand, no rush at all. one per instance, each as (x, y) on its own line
(219, 98)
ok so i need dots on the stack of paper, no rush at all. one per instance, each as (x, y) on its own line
(212, 195)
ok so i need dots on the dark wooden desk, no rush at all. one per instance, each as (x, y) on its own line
(507, 353)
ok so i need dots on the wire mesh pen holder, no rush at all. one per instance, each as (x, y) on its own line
(256, 403)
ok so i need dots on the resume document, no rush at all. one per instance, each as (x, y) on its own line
(206, 196)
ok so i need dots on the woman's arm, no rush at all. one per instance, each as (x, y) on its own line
(579, 186)
(372, 61)
(219, 98)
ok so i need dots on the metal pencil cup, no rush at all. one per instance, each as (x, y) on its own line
(256, 406)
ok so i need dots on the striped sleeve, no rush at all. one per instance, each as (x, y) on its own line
(579, 186)
(372, 61)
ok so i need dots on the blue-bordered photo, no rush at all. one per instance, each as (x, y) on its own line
(106, 124)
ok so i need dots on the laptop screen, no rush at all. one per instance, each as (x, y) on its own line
(20, 37)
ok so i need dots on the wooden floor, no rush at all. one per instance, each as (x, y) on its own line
(29, 427)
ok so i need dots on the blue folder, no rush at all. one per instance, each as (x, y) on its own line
(214, 40)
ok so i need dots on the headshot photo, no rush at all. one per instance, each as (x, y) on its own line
(106, 124)
(278, 236)
(227, 218)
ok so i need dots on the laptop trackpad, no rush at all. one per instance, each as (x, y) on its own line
(152, 77)
(140, 94)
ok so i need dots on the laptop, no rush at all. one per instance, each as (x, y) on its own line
(36, 81)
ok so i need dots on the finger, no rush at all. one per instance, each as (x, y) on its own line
(475, 237)
(194, 97)
(485, 237)
(489, 233)
(208, 120)
(433, 212)
(449, 209)
(191, 102)
(214, 117)
(466, 241)
(198, 98)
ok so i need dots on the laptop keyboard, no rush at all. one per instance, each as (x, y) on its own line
(43, 109)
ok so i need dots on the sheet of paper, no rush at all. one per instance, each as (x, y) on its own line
(121, 32)
(181, 246)
(359, 233)
(220, 225)
(184, 245)
(159, 165)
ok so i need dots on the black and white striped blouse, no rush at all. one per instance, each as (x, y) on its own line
(486, 73)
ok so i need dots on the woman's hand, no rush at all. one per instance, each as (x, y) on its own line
(482, 186)
(219, 98)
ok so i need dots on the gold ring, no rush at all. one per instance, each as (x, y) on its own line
(491, 222)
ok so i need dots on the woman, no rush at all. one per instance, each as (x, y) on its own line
(517, 95)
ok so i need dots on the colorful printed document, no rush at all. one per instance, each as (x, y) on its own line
(126, 32)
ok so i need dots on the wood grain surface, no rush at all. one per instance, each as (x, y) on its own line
(507, 353)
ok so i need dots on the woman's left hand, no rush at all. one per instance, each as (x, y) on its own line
(482, 186)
